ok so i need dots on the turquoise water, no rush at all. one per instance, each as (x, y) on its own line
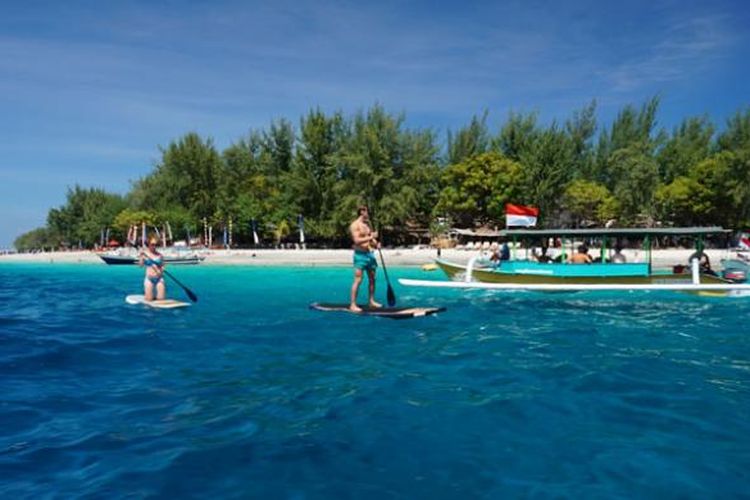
(248, 394)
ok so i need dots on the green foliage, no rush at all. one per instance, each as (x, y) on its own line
(589, 201)
(188, 176)
(478, 189)
(85, 214)
(636, 177)
(689, 144)
(332, 163)
(684, 201)
(129, 217)
(579, 132)
(37, 239)
(548, 165)
(517, 136)
(469, 141)
(736, 137)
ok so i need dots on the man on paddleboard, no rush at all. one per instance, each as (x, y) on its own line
(364, 240)
(154, 281)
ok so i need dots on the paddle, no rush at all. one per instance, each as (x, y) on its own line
(188, 291)
(391, 294)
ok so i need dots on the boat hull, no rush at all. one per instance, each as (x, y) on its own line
(536, 273)
(129, 260)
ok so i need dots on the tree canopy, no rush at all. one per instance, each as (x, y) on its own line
(632, 171)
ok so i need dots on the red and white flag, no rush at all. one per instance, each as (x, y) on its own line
(744, 241)
(519, 215)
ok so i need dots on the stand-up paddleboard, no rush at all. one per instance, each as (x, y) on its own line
(158, 304)
(383, 312)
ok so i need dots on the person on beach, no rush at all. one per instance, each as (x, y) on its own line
(618, 257)
(495, 256)
(154, 280)
(704, 263)
(364, 241)
(581, 257)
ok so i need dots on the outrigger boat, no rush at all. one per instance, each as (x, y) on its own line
(526, 274)
(130, 257)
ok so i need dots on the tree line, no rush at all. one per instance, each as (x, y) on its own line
(631, 172)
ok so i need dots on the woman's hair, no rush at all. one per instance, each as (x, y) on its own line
(153, 240)
(361, 209)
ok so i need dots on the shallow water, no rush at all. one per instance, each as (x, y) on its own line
(250, 394)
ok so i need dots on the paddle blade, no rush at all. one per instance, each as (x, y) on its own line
(188, 291)
(391, 296)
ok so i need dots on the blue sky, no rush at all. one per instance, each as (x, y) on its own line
(90, 90)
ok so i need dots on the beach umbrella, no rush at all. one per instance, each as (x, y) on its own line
(301, 224)
(254, 227)
(226, 237)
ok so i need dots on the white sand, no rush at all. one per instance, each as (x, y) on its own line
(343, 257)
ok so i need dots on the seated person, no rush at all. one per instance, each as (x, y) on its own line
(704, 262)
(495, 256)
(581, 257)
(505, 252)
(542, 256)
(618, 257)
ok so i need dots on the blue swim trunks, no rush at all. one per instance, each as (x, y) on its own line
(365, 260)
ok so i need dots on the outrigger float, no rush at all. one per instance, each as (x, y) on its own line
(601, 275)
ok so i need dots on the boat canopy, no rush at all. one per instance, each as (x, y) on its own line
(625, 231)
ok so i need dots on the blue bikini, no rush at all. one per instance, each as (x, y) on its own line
(156, 261)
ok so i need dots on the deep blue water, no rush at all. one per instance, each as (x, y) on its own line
(250, 394)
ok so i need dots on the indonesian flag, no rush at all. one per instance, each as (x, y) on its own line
(744, 242)
(519, 215)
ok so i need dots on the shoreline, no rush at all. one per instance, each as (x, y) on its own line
(403, 257)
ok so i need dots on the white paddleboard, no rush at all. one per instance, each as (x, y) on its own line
(159, 304)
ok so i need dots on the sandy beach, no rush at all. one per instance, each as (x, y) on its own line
(343, 257)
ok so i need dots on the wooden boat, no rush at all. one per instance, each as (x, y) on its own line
(530, 272)
(523, 274)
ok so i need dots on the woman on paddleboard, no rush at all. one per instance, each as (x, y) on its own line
(154, 262)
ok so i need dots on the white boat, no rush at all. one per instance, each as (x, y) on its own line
(172, 255)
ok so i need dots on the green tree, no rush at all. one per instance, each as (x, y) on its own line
(736, 137)
(589, 201)
(548, 166)
(517, 135)
(580, 130)
(689, 144)
(632, 130)
(187, 176)
(310, 184)
(84, 215)
(478, 189)
(366, 167)
(636, 177)
(469, 141)
(684, 202)
(37, 239)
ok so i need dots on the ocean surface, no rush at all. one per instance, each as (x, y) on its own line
(249, 394)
